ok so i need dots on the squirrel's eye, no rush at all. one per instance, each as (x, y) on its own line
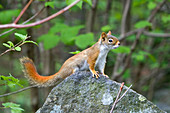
(110, 40)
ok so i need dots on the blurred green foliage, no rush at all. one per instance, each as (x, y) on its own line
(66, 34)
(10, 80)
(69, 29)
(15, 108)
(8, 14)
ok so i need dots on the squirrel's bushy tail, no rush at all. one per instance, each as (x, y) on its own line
(31, 73)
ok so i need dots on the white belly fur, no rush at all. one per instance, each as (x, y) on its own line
(101, 60)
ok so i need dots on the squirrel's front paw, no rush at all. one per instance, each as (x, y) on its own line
(106, 76)
(96, 75)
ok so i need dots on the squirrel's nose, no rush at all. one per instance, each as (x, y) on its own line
(118, 43)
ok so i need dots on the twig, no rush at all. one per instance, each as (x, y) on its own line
(24, 22)
(117, 98)
(122, 37)
(114, 104)
(13, 48)
(7, 94)
(22, 12)
(124, 93)
(41, 21)
(2, 84)
(8, 50)
(163, 35)
(150, 19)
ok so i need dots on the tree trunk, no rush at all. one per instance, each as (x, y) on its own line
(91, 17)
(107, 12)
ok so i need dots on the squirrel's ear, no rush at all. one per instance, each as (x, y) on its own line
(103, 36)
(109, 33)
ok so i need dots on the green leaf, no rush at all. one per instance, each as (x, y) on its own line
(17, 48)
(152, 57)
(29, 41)
(69, 34)
(58, 27)
(82, 41)
(8, 15)
(88, 1)
(10, 43)
(79, 4)
(15, 108)
(148, 54)
(6, 45)
(142, 24)
(106, 28)
(131, 37)
(1, 7)
(151, 5)
(75, 52)
(50, 4)
(122, 49)
(10, 80)
(139, 57)
(166, 18)
(50, 40)
(21, 36)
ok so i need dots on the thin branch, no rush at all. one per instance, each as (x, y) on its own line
(117, 98)
(2, 84)
(114, 104)
(7, 32)
(151, 17)
(163, 35)
(41, 21)
(124, 93)
(122, 37)
(22, 12)
(23, 22)
(16, 45)
(8, 50)
(7, 94)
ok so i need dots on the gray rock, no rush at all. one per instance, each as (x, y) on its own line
(81, 93)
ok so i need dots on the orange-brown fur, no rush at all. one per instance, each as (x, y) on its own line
(85, 60)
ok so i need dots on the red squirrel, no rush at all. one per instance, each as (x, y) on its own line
(88, 59)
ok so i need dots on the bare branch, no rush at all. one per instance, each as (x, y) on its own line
(7, 94)
(114, 104)
(117, 98)
(162, 35)
(22, 12)
(151, 17)
(122, 37)
(124, 93)
(23, 22)
(41, 21)
(8, 50)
